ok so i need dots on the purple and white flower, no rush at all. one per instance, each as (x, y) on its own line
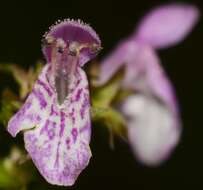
(152, 113)
(55, 118)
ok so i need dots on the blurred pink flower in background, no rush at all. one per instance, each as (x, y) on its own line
(154, 125)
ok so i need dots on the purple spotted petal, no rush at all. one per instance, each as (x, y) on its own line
(56, 136)
(73, 31)
(167, 25)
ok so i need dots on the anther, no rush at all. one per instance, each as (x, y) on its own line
(74, 48)
(60, 45)
(95, 48)
(49, 40)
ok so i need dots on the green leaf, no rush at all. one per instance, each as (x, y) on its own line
(112, 119)
(102, 96)
(14, 173)
(122, 95)
(9, 105)
(24, 78)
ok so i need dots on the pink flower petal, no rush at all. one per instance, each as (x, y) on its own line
(152, 113)
(152, 129)
(144, 73)
(167, 25)
(73, 31)
(120, 56)
(56, 136)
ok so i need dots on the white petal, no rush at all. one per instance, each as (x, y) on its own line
(152, 128)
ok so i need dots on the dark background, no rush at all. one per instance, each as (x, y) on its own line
(22, 25)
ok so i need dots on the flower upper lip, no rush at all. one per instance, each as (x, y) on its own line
(73, 33)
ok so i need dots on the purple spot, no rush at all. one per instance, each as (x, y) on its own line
(78, 82)
(39, 95)
(38, 118)
(24, 109)
(33, 118)
(74, 133)
(71, 114)
(62, 125)
(85, 105)
(41, 83)
(32, 138)
(62, 116)
(27, 105)
(86, 127)
(66, 171)
(49, 128)
(53, 111)
(54, 124)
(62, 129)
(68, 143)
(51, 134)
(57, 156)
(78, 95)
(45, 128)
(73, 119)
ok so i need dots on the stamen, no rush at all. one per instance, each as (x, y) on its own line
(49, 40)
(60, 45)
(74, 48)
(64, 62)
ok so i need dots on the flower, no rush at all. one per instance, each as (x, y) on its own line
(55, 118)
(154, 125)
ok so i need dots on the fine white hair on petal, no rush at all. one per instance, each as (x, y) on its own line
(152, 129)
(167, 25)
